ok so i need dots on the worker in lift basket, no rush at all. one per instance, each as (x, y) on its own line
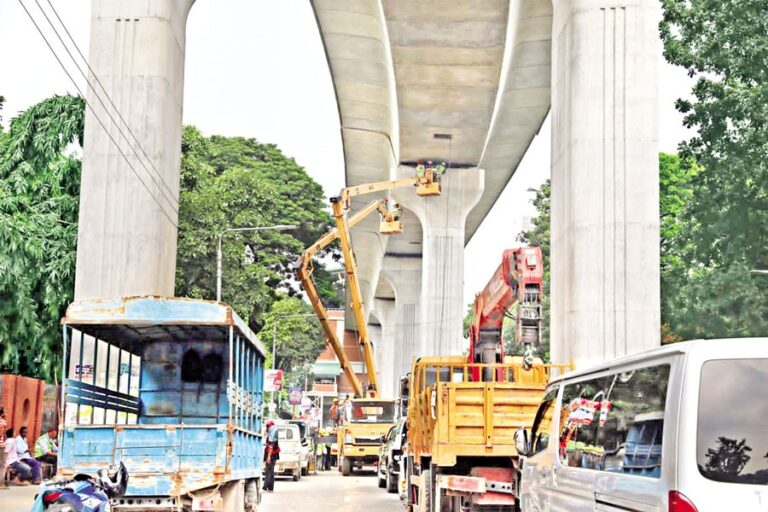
(271, 454)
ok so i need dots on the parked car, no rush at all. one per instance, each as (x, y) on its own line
(679, 429)
(289, 463)
(390, 454)
(307, 446)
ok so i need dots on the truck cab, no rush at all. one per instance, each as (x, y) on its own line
(365, 426)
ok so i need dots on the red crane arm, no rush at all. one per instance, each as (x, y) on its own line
(517, 280)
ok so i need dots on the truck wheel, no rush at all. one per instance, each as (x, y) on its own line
(346, 466)
(391, 482)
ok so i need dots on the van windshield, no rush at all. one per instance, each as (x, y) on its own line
(372, 412)
(732, 442)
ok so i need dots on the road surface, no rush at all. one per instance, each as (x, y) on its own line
(18, 499)
(328, 491)
(325, 492)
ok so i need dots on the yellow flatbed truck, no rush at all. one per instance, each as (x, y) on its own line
(461, 452)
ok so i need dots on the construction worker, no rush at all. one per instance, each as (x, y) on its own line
(334, 412)
(271, 454)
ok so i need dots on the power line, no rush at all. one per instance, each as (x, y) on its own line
(125, 157)
(166, 191)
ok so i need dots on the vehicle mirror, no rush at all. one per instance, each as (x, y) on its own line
(521, 442)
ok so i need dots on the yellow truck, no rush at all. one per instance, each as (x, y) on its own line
(461, 452)
(366, 423)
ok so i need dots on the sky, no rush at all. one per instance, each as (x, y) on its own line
(258, 69)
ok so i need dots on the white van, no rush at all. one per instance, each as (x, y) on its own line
(289, 440)
(683, 428)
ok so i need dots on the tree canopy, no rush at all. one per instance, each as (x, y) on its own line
(232, 182)
(298, 337)
(722, 238)
(39, 185)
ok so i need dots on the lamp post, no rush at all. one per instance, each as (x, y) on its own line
(274, 344)
(279, 227)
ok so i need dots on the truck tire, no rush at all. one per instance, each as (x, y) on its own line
(391, 482)
(346, 466)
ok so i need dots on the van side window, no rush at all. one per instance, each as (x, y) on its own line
(615, 423)
(543, 423)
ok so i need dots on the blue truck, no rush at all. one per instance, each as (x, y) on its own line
(171, 387)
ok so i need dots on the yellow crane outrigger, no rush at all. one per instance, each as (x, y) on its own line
(426, 185)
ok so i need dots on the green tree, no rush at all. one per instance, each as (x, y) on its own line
(723, 45)
(297, 336)
(229, 182)
(675, 195)
(39, 186)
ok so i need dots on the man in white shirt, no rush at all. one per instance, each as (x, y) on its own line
(23, 471)
(22, 449)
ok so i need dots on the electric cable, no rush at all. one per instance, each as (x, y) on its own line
(166, 190)
(117, 146)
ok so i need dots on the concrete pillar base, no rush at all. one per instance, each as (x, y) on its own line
(605, 205)
(442, 280)
(126, 239)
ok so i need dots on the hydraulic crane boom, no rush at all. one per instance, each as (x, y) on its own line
(426, 185)
(518, 280)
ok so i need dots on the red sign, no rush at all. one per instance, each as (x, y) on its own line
(273, 380)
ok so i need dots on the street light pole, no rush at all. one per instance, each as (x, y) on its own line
(279, 227)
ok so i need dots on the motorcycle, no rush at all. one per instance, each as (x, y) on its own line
(83, 493)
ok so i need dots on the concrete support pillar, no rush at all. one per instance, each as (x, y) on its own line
(443, 220)
(605, 204)
(404, 272)
(384, 310)
(126, 239)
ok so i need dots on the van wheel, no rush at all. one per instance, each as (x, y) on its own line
(391, 483)
(346, 466)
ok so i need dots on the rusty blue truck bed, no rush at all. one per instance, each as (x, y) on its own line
(171, 387)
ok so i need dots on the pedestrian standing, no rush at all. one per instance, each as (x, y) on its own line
(334, 412)
(22, 449)
(271, 454)
(3, 427)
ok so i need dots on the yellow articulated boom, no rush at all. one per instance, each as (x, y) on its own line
(427, 185)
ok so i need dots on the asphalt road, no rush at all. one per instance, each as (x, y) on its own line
(18, 499)
(327, 491)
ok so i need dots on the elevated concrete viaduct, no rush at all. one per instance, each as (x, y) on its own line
(468, 83)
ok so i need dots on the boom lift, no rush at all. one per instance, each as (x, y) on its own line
(368, 419)
(427, 185)
(463, 412)
(517, 281)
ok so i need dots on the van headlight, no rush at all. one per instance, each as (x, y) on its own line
(349, 438)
